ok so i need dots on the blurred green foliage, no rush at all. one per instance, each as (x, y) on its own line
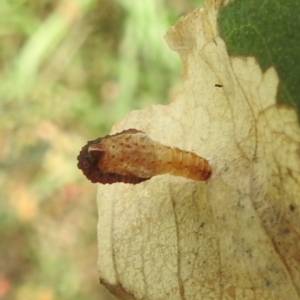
(69, 69)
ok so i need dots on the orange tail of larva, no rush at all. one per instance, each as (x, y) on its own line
(132, 157)
(182, 163)
(191, 165)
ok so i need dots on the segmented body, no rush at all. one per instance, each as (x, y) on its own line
(132, 157)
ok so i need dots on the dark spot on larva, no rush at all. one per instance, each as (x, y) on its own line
(292, 208)
(218, 85)
(268, 283)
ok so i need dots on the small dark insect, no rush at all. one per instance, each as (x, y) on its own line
(132, 157)
(218, 85)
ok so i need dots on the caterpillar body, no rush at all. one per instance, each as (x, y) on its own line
(132, 157)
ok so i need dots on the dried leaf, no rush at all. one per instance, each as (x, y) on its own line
(235, 236)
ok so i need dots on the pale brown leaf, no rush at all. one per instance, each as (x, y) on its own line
(236, 236)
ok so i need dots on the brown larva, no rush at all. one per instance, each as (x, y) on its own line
(132, 157)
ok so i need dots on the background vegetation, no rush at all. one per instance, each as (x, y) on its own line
(69, 69)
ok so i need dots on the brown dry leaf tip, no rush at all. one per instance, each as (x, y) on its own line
(132, 157)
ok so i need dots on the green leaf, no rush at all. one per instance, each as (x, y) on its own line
(270, 31)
